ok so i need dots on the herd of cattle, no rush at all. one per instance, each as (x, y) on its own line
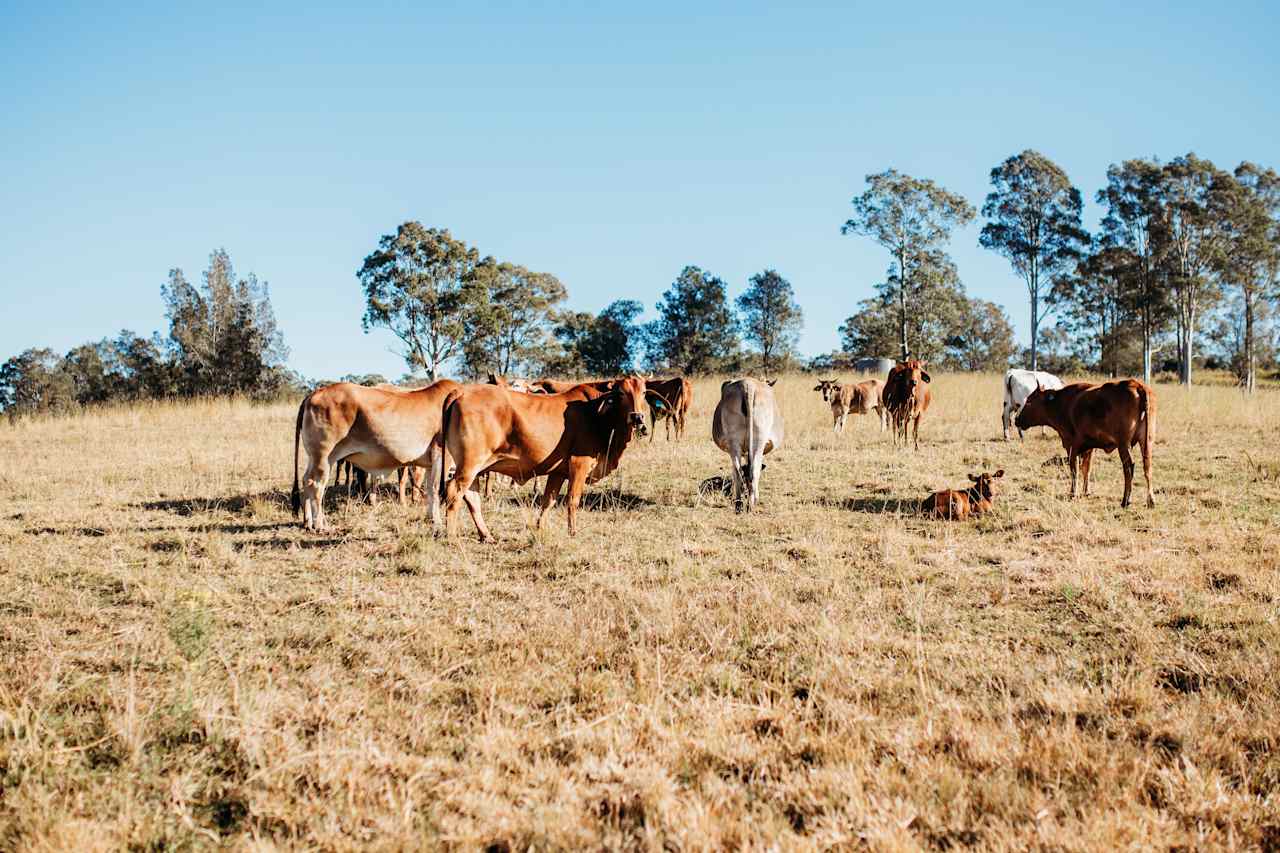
(577, 433)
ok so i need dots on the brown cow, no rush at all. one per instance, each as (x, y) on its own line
(578, 436)
(669, 399)
(377, 429)
(558, 386)
(1105, 416)
(957, 505)
(907, 397)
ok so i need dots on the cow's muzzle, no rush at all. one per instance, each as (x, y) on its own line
(637, 421)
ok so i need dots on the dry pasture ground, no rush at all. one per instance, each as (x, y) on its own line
(182, 666)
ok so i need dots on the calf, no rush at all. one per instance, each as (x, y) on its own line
(577, 436)
(907, 397)
(747, 425)
(1106, 416)
(958, 505)
(1018, 385)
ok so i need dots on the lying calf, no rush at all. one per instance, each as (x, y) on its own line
(958, 505)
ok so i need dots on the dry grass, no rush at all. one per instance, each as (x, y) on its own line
(181, 666)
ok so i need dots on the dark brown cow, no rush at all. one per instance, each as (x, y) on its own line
(578, 436)
(1105, 416)
(907, 397)
(669, 399)
(958, 504)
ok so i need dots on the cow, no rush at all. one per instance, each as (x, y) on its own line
(859, 399)
(669, 400)
(376, 429)
(577, 436)
(747, 425)
(959, 504)
(907, 397)
(1018, 385)
(1104, 416)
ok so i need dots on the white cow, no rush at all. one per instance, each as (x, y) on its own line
(747, 425)
(1018, 385)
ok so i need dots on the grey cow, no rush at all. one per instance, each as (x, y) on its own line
(747, 425)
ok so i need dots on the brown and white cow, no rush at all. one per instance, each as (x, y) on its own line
(1104, 416)
(959, 504)
(669, 399)
(859, 399)
(907, 397)
(376, 429)
(577, 436)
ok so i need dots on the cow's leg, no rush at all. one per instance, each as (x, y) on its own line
(668, 420)
(916, 421)
(549, 495)
(735, 468)
(432, 489)
(579, 468)
(753, 484)
(402, 474)
(1086, 459)
(653, 424)
(1071, 462)
(488, 485)
(1126, 459)
(459, 490)
(473, 506)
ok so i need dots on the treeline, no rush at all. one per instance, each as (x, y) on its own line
(447, 304)
(223, 339)
(1185, 264)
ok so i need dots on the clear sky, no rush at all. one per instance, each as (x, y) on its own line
(608, 144)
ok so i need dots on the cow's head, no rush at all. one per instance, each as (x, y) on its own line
(1035, 411)
(825, 386)
(985, 484)
(495, 379)
(628, 396)
(914, 374)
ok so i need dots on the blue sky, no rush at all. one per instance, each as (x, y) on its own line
(608, 147)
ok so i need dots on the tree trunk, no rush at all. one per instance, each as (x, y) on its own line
(1191, 341)
(902, 303)
(1249, 370)
(1035, 325)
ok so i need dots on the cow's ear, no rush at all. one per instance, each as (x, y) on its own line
(772, 382)
(999, 473)
(924, 374)
(973, 479)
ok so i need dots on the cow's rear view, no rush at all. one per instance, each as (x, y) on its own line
(747, 425)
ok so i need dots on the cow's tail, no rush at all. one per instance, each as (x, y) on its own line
(445, 415)
(1146, 418)
(755, 442)
(295, 498)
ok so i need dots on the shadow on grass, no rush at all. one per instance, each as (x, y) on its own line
(611, 500)
(878, 505)
(275, 498)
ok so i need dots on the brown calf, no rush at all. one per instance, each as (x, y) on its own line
(907, 397)
(1105, 416)
(577, 436)
(958, 505)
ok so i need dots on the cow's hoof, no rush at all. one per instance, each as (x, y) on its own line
(1151, 504)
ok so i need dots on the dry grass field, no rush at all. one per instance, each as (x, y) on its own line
(182, 667)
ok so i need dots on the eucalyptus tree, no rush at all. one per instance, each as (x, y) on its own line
(912, 218)
(508, 312)
(1033, 220)
(1135, 220)
(1250, 210)
(771, 317)
(1095, 301)
(1195, 238)
(416, 285)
